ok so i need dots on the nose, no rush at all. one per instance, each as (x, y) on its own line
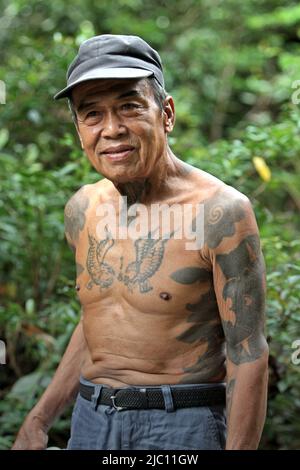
(113, 127)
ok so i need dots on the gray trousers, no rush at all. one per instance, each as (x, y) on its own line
(105, 428)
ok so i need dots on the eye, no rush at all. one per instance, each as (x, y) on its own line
(92, 114)
(92, 117)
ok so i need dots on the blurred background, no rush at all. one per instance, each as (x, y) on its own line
(232, 67)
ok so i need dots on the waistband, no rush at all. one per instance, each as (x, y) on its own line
(158, 396)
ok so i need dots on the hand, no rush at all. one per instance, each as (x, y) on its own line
(32, 435)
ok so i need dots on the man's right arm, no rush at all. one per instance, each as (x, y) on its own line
(65, 383)
(59, 394)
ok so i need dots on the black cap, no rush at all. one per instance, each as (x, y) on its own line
(112, 56)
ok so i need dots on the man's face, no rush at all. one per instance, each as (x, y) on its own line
(121, 127)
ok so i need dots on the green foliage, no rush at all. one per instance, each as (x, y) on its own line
(282, 429)
(230, 66)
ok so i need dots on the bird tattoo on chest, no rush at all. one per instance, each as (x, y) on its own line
(149, 253)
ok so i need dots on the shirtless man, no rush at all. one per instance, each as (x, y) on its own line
(163, 326)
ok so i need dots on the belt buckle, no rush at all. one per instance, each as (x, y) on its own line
(118, 408)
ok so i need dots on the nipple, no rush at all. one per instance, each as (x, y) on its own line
(165, 296)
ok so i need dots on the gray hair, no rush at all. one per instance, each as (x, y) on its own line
(159, 92)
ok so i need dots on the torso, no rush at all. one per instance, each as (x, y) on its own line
(150, 314)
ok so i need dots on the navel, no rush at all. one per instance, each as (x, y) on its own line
(165, 296)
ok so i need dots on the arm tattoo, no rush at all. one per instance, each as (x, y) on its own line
(243, 269)
(75, 216)
(229, 395)
(219, 219)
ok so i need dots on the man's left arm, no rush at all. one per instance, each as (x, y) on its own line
(239, 282)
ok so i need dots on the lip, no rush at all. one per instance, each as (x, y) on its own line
(117, 153)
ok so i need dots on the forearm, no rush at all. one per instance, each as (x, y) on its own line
(64, 385)
(246, 403)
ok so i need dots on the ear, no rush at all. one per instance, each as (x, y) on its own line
(169, 114)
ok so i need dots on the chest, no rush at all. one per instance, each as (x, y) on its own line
(149, 274)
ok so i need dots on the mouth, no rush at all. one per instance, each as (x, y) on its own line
(117, 153)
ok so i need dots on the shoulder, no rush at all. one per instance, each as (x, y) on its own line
(77, 209)
(77, 199)
(228, 218)
(228, 198)
(85, 195)
(214, 192)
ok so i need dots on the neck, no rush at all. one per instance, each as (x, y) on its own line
(135, 191)
(146, 189)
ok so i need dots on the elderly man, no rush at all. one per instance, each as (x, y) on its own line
(167, 324)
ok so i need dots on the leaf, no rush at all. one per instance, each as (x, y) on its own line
(4, 136)
(26, 385)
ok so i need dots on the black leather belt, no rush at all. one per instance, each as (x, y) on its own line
(145, 398)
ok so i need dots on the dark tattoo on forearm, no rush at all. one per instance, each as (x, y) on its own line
(229, 395)
(243, 269)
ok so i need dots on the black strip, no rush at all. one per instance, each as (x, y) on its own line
(146, 398)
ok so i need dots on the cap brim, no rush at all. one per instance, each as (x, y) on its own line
(121, 73)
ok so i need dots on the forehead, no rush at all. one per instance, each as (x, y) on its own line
(103, 88)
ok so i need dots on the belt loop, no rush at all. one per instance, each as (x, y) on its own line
(96, 396)
(168, 399)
